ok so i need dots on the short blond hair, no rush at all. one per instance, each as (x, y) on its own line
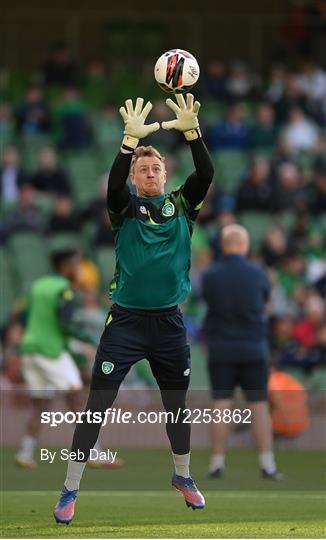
(145, 151)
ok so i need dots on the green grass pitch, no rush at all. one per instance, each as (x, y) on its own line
(138, 502)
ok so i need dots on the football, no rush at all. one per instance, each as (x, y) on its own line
(176, 71)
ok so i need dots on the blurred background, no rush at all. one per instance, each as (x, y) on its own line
(64, 73)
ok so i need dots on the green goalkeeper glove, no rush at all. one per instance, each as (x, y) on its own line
(187, 116)
(134, 119)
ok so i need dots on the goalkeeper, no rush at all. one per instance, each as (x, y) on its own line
(152, 239)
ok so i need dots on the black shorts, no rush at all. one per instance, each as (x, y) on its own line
(131, 335)
(250, 376)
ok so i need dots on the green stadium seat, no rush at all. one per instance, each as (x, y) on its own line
(105, 259)
(211, 111)
(15, 85)
(8, 292)
(230, 166)
(256, 224)
(285, 220)
(84, 170)
(185, 163)
(60, 241)
(30, 257)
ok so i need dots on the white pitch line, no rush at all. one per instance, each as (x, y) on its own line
(209, 494)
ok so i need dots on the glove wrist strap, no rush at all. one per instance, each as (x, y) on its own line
(192, 134)
(130, 142)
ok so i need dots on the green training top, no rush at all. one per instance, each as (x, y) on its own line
(152, 242)
(44, 333)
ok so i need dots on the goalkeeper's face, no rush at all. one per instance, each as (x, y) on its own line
(149, 176)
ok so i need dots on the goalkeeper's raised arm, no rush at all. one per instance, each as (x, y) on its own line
(135, 129)
(197, 184)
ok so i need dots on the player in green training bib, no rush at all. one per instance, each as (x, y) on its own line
(47, 364)
(152, 232)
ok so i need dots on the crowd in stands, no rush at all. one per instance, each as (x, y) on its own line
(266, 132)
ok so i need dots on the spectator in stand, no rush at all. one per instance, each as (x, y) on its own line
(63, 218)
(96, 213)
(286, 353)
(232, 133)
(240, 83)
(281, 336)
(317, 193)
(263, 133)
(276, 83)
(291, 97)
(107, 129)
(96, 84)
(59, 68)
(286, 192)
(317, 360)
(7, 124)
(255, 193)
(95, 207)
(291, 276)
(213, 83)
(33, 115)
(305, 330)
(72, 122)
(103, 233)
(312, 83)
(300, 133)
(49, 177)
(26, 216)
(274, 247)
(12, 176)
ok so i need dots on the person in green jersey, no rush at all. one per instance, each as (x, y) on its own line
(47, 364)
(152, 231)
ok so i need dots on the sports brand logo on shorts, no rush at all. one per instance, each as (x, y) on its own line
(107, 367)
(168, 209)
(186, 372)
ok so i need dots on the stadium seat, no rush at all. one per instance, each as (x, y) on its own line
(14, 85)
(105, 259)
(256, 224)
(285, 220)
(230, 166)
(30, 257)
(211, 111)
(185, 163)
(7, 286)
(64, 241)
(84, 170)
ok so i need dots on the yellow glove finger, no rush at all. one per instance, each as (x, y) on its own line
(130, 107)
(170, 124)
(173, 106)
(181, 101)
(146, 110)
(139, 106)
(190, 101)
(196, 107)
(153, 127)
(123, 113)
